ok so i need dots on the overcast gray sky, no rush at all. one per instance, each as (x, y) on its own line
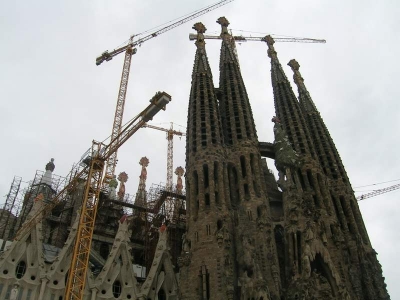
(54, 100)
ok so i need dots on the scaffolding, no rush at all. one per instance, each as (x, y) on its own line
(148, 219)
(9, 209)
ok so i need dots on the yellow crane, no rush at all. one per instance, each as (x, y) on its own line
(130, 49)
(92, 173)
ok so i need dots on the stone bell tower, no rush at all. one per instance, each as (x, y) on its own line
(206, 272)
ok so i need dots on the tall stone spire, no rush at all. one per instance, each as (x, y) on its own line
(346, 220)
(236, 114)
(327, 153)
(205, 190)
(248, 201)
(287, 107)
(203, 122)
(47, 177)
(140, 199)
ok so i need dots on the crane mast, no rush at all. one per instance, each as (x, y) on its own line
(170, 152)
(119, 112)
(99, 154)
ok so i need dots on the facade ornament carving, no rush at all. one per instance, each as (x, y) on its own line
(123, 178)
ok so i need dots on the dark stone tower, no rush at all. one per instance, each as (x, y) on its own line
(363, 269)
(254, 245)
(246, 238)
(327, 246)
(205, 269)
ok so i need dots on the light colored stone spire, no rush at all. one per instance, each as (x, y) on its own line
(141, 193)
(47, 177)
(179, 186)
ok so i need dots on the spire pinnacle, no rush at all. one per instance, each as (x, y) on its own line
(224, 25)
(201, 29)
(304, 96)
(271, 50)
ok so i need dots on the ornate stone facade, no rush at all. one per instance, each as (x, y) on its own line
(248, 236)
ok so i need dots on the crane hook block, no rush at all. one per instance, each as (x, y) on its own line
(158, 102)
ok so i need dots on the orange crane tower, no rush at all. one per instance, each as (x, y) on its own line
(129, 51)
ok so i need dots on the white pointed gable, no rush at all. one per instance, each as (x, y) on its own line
(118, 273)
(161, 278)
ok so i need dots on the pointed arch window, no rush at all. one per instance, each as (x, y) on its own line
(117, 288)
(21, 269)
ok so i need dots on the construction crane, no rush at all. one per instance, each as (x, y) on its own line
(378, 192)
(170, 157)
(92, 173)
(129, 51)
(240, 38)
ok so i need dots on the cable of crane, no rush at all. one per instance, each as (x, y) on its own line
(176, 19)
(361, 186)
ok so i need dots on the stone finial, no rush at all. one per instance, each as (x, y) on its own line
(123, 177)
(144, 162)
(223, 21)
(296, 76)
(199, 27)
(294, 65)
(271, 50)
(224, 25)
(50, 165)
(269, 40)
(179, 172)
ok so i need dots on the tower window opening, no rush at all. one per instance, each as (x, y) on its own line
(207, 200)
(243, 166)
(319, 178)
(20, 270)
(205, 172)
(117, 288)
(215, 172)
(216, 198)
(310, 179)
(316, 203)
(250, 215)
(303, 186)
(299, 254)
(196, 182)
(162, 295)
(246, 190)
(196, 236)
(219, 224)
(208, 229)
